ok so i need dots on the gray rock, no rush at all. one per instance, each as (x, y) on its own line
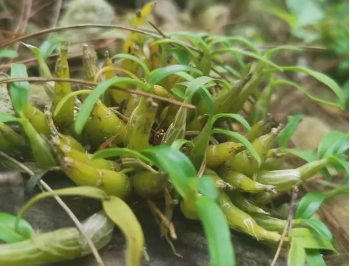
(83, 12)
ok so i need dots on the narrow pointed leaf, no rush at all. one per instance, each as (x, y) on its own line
(281, 48)
(286, 134)
(320, 228)
(8, 232)
(334, 143)
(161, 73)
(177, 144)
(236, 117)
(307, 155)
(7, 53)
(175, 163)
(48, 46)
(114, 152)
(296, 255)
(137, 60)
(322, 78)
(249, 54)
(121, 214)
(19, 90)
(309, 205)
(216, 231)
(314, 258)
(4, 118)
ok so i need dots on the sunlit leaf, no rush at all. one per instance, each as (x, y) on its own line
(216, 231)
(19, 90)
(121, 214)
(196, 84)
(286, 134)
(320, 228)
(8, 232)
(296, 254)
(309, 239)
(309, 205)
(48, 46)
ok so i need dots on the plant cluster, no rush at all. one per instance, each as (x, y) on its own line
(169, 121)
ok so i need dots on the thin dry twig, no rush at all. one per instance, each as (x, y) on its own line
(80, 26)
(46, 187)
(57, 11)
(90, 83)
(288, 226)
(164, 220)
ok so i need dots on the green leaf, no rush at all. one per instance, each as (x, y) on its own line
(239, 51)
(180, 56)
(181, 53)
(48, 46)
(175, 163)
(345, 165)
(246, 42)
(9, 234)
(114, 152)
(90, 192)
(296, 254)
(209, 101)
(307, 12)
(216, 232)
(240, 139)
(309, 239)
(309, 205)
(320, 228)
(322, 78)
(270, 52)
(121, 214)
(161, 73)
(62, 102)
(179, 93)
(314, 258)
(334, 143)
(206, 187)
(7, 53)
(36, 52)
(283, 15)
(286, 134)
(19, 90)
(4, 118)
(90, 101)
(198, 83)
(136, 59)
(177, 144)
(307, 155)
(236, 117)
